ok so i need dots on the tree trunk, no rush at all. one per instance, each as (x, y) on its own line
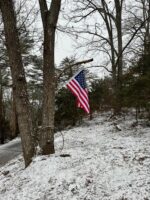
(118, 6)
(1, 112)
(13, 119)
(18, 77)
(49, 19)
(47, 135)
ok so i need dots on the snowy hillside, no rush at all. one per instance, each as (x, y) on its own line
(105, 162)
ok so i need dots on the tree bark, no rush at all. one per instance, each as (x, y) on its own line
(115, 53)
(18, 77)
(13, 119)
(118, 97)
(49, 19)
(1, 111)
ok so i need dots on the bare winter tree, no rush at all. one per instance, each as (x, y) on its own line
(49, 18)
(103, 33)
(101, 27)
(144, 33)
(23, 27)
(19, 81)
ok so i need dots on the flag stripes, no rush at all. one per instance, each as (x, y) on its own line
(78, 88)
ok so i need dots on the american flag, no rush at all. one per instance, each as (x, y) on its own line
(77, 86)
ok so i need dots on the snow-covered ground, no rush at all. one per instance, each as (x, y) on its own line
(109, 160)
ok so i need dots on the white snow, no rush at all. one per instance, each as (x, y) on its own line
(104, 164)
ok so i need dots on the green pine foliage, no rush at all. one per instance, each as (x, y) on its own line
(136, 87)
(100, 95)
(66, 113)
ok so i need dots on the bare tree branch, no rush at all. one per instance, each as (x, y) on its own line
(72, 65)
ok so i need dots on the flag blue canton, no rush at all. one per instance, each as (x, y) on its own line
(81, 79)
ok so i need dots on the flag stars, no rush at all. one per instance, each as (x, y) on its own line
(81, 79)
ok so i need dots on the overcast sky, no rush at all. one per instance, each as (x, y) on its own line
(65, 45)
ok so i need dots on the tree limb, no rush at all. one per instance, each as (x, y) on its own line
(75, 64)
(43, 10)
